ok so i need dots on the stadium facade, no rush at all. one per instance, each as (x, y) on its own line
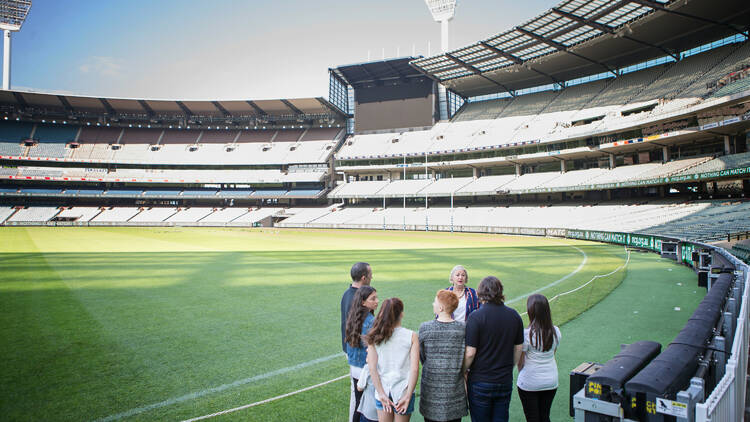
(612, 102)
(625, 121)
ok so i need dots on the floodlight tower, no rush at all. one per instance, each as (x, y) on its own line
(12, 15)
(442, 11)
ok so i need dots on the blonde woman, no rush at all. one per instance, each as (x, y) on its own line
(468, 301)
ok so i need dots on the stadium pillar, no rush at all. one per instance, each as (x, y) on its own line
(474, 172)
(6, 59)
(665, 153)
(518, 169)
(562, 166)
(727, 145)
(611, 161)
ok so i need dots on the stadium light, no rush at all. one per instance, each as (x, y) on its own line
(12, 15)
(442, 11)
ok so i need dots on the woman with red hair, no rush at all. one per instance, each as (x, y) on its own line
(441, 350)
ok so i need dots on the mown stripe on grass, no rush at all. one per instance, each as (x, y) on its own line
(223, 387)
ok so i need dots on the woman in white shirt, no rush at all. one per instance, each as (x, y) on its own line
(393, 360)
(537, 376)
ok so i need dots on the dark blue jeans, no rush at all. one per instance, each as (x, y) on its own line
(489, 402)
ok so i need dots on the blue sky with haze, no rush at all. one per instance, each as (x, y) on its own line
(224, 49)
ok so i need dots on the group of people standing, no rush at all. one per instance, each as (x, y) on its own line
(467, 353)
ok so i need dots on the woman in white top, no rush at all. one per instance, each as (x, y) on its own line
(393, 359)
(537, 376)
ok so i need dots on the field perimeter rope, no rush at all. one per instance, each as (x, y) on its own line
(258, 403)
(625, 264)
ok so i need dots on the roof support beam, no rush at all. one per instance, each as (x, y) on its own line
(367, 72)
(500, 52)
(65, 103)
(609, 30)
(145, 106)
(474, 70)
(562, 48)
(221, 109)
(108, 106)
(257, 109)
(291, 106)
(595, 17)
(660, 7)
(390, 66)
(517, 61)
(20, 99)
(184, 108)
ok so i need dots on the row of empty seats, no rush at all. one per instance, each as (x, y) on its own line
(154, 146)
(202, 154)
(134, 215)
(16, 131)
(490, 185)
(169, 176)
(701, 220)
(165, 192)
(706, 220)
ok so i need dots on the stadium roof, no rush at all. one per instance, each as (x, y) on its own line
(584, 37)
(51, 103)
(384, 70)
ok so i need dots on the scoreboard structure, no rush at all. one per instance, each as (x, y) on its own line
(388, 94)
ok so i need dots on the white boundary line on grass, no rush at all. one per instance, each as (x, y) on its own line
(625, 264)
(556, 282)
(258, 403)
(195, 395)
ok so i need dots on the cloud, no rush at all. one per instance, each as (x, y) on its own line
(102, 66)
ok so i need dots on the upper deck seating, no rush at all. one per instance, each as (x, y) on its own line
(445, 186)
(55, 133)
(487, 185)
(15, 132)
(357, 189)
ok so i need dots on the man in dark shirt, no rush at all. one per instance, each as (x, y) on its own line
(361, 276)
(494, 342)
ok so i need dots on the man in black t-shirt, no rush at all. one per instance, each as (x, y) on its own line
(494, 342)
(361, 276)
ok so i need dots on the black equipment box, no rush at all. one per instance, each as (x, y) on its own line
(578, 378)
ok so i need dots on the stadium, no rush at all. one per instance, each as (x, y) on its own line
(597, 153)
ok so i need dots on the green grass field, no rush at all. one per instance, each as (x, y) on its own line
(175, 323)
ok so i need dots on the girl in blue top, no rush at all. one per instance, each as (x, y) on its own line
(358, 323)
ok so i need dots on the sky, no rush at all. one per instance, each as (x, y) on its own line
(231, 49)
